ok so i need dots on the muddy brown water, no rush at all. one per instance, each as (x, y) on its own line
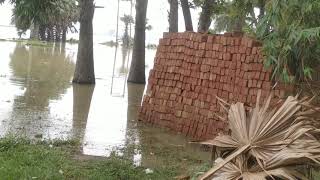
(38, 101)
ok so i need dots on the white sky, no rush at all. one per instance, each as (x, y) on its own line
(105, 20)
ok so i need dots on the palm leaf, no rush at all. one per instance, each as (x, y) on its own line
(270, 138)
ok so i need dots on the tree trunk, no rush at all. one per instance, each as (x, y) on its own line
(58, 34)
(84, 72)
(261, 6)
(205, 16)
(64, 35)
(49, 34)
(187, 15)
(173, 16)
(34, 31)
(137, 69)
(42, 33)
(238, 26)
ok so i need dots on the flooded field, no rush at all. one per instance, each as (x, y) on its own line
(39, 101)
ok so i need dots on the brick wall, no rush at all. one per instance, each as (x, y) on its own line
(191, 69)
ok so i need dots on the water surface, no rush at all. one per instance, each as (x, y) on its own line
(39, 101)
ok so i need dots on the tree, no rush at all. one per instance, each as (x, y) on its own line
(126, 39)
(137, 69)
(236, 15)
(187, 15)
(205, 16)
(84, 72)
(173, 16)
(47, 19)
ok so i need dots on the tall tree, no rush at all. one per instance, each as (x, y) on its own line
(84, 72)
(173, 15)
(205, 16)
(187, 15)
(137, 69)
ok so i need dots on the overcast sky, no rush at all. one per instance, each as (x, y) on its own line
(105, 20)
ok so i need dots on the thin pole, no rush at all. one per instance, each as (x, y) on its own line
(131, 1)
(117, 32)
(116, 50)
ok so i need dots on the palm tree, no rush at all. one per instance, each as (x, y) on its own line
(84, 72)
(137, 69)
(126, 19)
(173, 15)
(37, 15)
(187, 15)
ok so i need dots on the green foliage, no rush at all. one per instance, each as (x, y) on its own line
(291, 35)
(234, 15)
(44, 12)
(289, 29)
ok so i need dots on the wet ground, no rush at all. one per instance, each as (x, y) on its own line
(38, 101)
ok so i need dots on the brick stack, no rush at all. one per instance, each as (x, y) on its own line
(191, 69)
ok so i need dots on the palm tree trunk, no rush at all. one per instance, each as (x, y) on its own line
(137, 69)
(49, 33)
(238, 26)
(34, 31)
(205, 16)
(186, 15)
(173, 16)
(42, 32)
(58, 34)
(261, 6)
(84, 72)
(64, 35)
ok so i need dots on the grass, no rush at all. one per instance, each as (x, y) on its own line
(24, 159)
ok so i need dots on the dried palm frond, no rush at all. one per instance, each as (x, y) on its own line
(268, 140)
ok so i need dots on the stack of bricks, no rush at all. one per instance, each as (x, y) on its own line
(191, 70)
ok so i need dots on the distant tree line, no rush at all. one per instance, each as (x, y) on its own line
(289, 30)
(48, 20)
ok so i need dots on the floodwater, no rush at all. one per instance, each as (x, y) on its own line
(38, 100)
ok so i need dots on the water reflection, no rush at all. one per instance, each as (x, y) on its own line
(119, 75)
(125, 60)
(82, 96)
(40, 101)
(42, 74)
(135, 93)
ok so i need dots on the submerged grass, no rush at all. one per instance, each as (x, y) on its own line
(24, 159)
